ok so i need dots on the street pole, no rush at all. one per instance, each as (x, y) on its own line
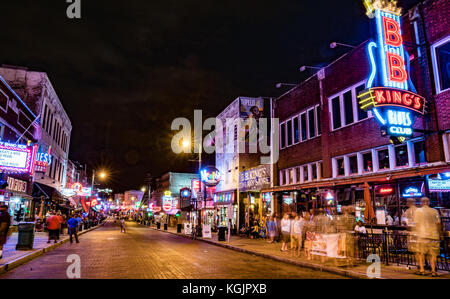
(92, 193)
(199, 214)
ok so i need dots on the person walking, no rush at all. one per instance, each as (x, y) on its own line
(72, 224)
(297, 232)
(309, 231)
(271, 229)
(285, 232)
(122, 226)
(5, 222)
(53, 227)
(428, 232)
(61, 224)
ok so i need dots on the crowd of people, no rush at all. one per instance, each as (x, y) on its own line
(298, 233)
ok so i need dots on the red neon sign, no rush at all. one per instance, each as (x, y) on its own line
(391, 31)
(386, 190)
(396, 67)
(386, 96)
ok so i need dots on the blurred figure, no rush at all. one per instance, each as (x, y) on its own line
(271, 229)
(428, 232)
(322, 226)
(297, 232)
(72, 224)
(5, 222)
(122, 225)
(409, 216)
(254, 233)
(309, 229)
(293, 216)
(285, 231)
(348, 223)
(53, 227)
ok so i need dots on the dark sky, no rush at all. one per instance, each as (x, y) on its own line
(128, 68)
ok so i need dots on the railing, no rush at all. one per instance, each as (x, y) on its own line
(392, 248)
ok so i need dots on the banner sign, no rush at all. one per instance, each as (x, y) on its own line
(16, 185)
(187, 228)
(206, 230)
(255, 179)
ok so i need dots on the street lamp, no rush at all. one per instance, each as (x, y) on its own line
(304, 67)
(335, 44)
(278, 85)
(102, 176)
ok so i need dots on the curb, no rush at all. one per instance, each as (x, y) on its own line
(321, 268)
(38, 252)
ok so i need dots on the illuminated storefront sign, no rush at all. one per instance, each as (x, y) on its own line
(225, 198)
(210, 176)
(255, 179)
(185, 193)
(390, 93)
(17, 157)
(16, 185)
(384, 190)
(412, 192)
(287, 199)
(167, 201)
(43, 158)
(439, 182)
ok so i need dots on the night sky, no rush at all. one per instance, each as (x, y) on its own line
(128, 68)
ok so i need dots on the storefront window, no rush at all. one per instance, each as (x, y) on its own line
(340, 166)
(353, 163)
(367, 162)
(386, 205)
(401, 155)
(383, 159)
(419, 152)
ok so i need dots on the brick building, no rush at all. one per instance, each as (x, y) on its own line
(330, 147)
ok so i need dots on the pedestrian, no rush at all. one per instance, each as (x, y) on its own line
(271, 229)
(293, 216)
(53, 227)
(72, 224)
(254, 234)
(122, 225)
(309, 229)
(297, 232)
(428, 233)
(409, 216)
(285, 232)
(5, 222)
(61, 224)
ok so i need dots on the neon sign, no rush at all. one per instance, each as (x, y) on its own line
(43, 159)
(17, 157)
(167, 201)
(412, 192)
(210, 176)
(390, 94)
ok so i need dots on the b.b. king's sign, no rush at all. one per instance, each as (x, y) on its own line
(255, 179)
(390, 93)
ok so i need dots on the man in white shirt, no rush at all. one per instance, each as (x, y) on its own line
(285, 231)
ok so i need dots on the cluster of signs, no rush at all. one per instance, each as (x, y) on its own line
(390, 93)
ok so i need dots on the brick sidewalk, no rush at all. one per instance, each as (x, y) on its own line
(13, 258)
(262, 248)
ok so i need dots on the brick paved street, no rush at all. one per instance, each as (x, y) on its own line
(145, 253)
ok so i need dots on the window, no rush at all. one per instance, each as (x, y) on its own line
(314, 171)
(305, 173)
(45, 116)
(283, 136)
(281, 177)
(289, 132)
(419, 152)
(312, 123)
(401, 155)
(345, 108)
(296, 130)
(367, 162)
(441, 64)
(361, 113)
(319, 130)
(303, 120)
(291, 176)
(383, 159)
(336, 113)
(353, 163)
(348, 107)
(340, 166)
(297, 172)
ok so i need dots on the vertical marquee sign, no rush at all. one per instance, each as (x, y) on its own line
(390, 93)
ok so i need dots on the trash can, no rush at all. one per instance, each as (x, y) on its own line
(158, 225)
(179, 228)
(25, 239)
(221, 234)
(165, 226)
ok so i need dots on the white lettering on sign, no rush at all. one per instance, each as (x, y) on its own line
(16, 185)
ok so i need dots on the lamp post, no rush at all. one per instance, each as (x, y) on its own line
(102, 175)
